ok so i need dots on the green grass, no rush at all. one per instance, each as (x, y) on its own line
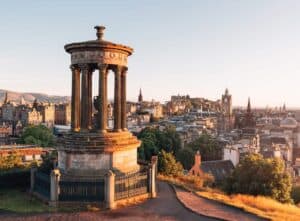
(17, 201)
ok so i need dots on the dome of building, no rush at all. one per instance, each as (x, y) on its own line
(289, 122)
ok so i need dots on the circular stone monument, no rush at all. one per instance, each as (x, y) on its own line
(90, 150)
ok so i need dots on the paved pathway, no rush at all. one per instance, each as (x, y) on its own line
(211, 208)
(164, 207)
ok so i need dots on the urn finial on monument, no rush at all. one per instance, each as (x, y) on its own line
(100, 32)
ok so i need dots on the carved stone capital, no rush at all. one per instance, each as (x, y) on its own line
(117, 69)
(103, 68)
(85, 67)
(124, 71)
(74, 68)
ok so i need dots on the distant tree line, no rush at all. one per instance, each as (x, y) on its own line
(155, 141)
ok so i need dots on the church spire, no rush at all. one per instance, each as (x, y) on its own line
(249, 106)
(6, 101)
(140, 99)
(226, 91)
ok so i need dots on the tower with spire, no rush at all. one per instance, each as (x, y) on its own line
(8, 109)
(227, 103)
(140, 98)
(6, 101)
(249, 120)
(227, 116)
(249, 106)
(284, 108)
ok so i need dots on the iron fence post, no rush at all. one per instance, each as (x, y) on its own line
(110, 190)
(153, 180)
(32, 175)
(54, 186)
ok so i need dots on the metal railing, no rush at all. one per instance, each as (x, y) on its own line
(87, 190)
(42, 184)
(130, 185)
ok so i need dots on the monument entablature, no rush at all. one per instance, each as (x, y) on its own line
(98, 51)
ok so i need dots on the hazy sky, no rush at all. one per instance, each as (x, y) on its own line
(186, 47)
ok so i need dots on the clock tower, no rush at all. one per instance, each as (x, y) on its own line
(227, 103)
(227, 121)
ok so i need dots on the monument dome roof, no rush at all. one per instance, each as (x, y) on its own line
(99, 43)
(289, 122)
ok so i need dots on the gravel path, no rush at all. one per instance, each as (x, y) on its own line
(207, 207)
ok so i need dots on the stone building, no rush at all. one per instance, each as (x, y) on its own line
(6, 130)
(153, 108)
(8, 109)
(131, 108)
(227, 103)
(63, 114)
(34, 117)
(219, 169)
(21, 113)
(227, 118)
(232, 153)
(48, 114)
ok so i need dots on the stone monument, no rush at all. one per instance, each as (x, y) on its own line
(96, 164)
(90, 150)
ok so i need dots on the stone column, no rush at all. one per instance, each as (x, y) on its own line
(90, 98)
(117, 99)
(54, 186)
(84, 97)
(110, 190)
(75, 111)
(123, 99)
(105, 98)
(102, 118)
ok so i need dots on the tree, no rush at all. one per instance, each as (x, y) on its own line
(147, 149)
(258, 176)
(168, 165)
(186, 157)
(48, 163)
(154, 140)
(208, 146)
(39, 135)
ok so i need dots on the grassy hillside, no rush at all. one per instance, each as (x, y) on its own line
(262, 206)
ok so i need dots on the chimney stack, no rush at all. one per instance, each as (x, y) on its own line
(197, 159)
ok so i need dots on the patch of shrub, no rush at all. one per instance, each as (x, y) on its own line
(296, 194)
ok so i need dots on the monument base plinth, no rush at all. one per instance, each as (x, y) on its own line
(93, 154)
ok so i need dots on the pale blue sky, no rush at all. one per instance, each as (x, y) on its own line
(187, 47)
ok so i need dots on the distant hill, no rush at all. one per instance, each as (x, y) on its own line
(29, 97)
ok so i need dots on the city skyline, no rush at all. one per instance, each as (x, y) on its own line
(249, 48)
